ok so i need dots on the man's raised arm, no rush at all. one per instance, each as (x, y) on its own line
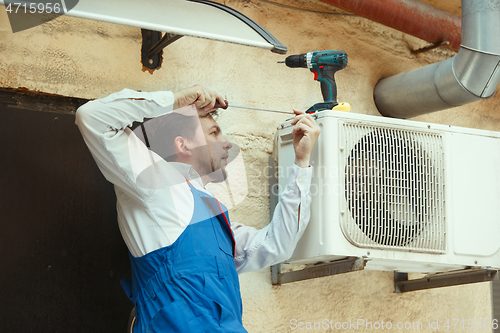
(257, 249)
(104, 126)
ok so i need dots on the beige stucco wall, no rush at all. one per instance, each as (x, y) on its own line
(82, 58)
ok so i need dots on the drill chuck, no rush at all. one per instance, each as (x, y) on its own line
(295, 61)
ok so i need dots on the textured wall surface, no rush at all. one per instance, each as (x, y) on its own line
(82, 58)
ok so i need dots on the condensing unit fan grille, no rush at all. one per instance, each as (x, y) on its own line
(394, 188)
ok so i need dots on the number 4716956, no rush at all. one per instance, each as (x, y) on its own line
(48, 8)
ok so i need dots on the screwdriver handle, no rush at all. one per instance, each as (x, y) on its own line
(220, 106)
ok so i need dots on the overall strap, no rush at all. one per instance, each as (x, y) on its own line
(218, 211)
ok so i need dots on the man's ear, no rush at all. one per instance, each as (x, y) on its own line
(180, 146)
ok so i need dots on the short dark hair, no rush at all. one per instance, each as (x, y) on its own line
(162, 131)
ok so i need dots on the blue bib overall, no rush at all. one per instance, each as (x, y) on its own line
(191, 285)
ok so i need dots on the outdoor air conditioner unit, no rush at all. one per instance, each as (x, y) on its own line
(405, 195)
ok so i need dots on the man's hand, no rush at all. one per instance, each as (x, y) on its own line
(305, 134)
(203, 98)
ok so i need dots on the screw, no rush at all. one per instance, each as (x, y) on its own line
(150, 61)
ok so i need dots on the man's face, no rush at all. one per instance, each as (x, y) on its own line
(210, 160)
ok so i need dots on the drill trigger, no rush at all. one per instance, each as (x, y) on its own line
(315, 75)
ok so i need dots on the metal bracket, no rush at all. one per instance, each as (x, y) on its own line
(152, 47)
(428, 48)
(347, 265)
(402, 284)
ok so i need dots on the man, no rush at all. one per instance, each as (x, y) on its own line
(185, 254)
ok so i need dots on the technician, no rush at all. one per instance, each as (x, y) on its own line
(185, 253)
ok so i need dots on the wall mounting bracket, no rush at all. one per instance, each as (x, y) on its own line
(402, 284)
(350, 264)
(152, 46)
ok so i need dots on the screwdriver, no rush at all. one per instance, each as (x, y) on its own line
(219, 106)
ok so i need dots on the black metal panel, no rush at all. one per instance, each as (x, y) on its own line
(62, 255)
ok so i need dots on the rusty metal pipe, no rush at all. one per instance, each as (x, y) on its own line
(409, 16)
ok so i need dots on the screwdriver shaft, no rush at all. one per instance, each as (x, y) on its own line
(218, 105)
(259, 109)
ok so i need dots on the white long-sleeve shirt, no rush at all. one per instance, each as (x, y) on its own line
(152, 218)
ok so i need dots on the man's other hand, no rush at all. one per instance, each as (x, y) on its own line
(204, 99)
(305, 134)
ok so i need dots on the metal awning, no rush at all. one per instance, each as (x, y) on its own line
(196, 18)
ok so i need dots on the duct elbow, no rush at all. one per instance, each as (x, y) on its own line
(478, 72)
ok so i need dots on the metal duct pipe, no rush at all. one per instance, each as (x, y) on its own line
(473, 74)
